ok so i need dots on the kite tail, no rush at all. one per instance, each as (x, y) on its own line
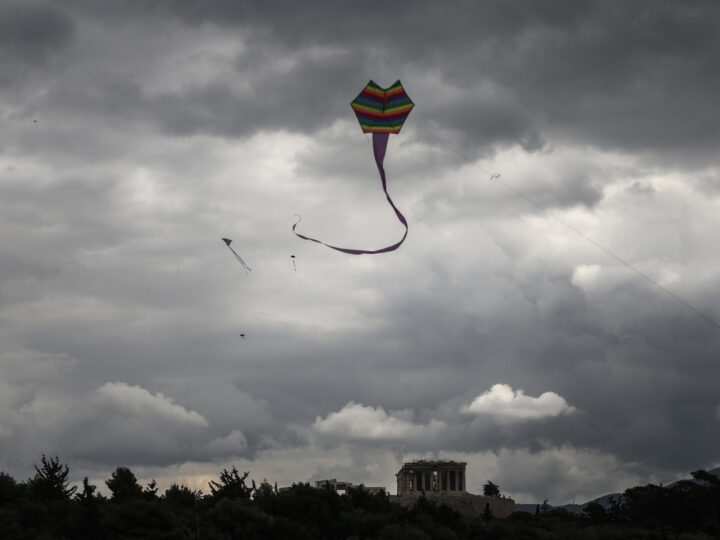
(228, 241)
(380, 141)
(239, 258)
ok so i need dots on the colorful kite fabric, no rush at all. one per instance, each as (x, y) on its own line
(380, 111)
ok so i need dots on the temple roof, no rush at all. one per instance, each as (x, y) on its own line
(426, 464)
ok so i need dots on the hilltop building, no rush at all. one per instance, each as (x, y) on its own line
(447, 477)
(444, 482)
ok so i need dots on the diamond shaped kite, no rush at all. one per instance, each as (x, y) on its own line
(380, 111)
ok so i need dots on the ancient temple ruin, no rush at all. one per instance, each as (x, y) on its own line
(421, 476)
(444, 482)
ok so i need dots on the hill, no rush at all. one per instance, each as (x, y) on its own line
(605, 500)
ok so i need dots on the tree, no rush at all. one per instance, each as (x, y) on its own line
(711, 485)
(150, 491)
(264, 495)
(491, 489)
(51, 481)
(123, 484)
(181, 495)
(88, 525)
(596, 513)
(9, 490)
(183, 502)
(88, 491)
(50, 488)
(231, 485)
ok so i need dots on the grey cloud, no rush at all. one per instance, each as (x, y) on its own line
(562, 473)
(165, 127)
(265, 103)
(616, 74)
(31, 32)
(121, 423)
(606, 422)
(231, 445)
(124, 423)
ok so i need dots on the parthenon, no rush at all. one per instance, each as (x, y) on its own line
(444, 482)
(423, 476)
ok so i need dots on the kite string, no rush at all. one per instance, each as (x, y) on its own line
(496, 177)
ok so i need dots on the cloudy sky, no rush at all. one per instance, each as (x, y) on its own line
(134, 135)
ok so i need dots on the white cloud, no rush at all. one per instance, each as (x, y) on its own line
(128, 401)
(359, 422)
(586, 275)
(504, 403)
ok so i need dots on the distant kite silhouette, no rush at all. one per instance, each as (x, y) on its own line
(380, 111)
(292, 257)
(238, 257)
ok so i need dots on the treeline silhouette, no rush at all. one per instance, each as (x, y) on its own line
(47, 507)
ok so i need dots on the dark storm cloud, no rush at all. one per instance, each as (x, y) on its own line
(317, 95)
(620, 74)
(168, 125)
(31, 32)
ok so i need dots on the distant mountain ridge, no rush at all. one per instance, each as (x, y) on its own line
(605, 500)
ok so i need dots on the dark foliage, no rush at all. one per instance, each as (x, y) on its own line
(123, 485)
(491, 489)
(231, 486)
(47, 507)
(51, 481)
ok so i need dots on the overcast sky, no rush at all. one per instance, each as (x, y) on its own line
(132, 138)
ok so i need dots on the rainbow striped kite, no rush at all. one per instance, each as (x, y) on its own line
(380, 111)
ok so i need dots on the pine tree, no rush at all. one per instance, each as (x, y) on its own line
(491, 489)
(231, 485)
(51, 481)
(123, 484)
